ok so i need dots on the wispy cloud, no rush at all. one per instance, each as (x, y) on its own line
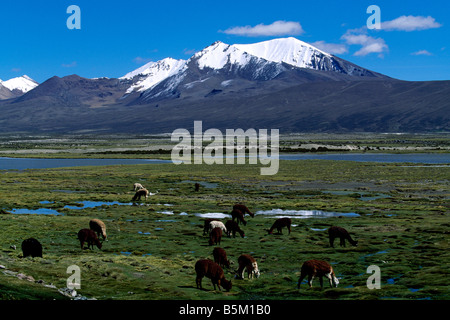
(369, 44)
(69, 65)
(410, 23)
(422, 53)
(333, 48)
(189, 52)
(141, 60)
(277, 28)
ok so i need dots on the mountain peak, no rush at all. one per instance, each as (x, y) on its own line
(23, 83)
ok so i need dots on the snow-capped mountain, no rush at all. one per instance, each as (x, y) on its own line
(23, 84)
(261, 61)
(237, 67)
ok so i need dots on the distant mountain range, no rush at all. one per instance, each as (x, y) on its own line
(282, 83)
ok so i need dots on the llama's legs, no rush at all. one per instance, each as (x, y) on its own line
(310, 279)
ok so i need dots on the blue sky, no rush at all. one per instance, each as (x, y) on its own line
(117, 37)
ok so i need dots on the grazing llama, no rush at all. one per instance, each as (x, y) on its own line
(138, 186)
(243, 209)
(342, 234)
(210, 269)
(220, 257)
(247, 262)
(317, 268)
(281, 223)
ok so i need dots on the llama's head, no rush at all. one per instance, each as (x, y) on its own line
(335, 281)
(226, 284)
(255, 271)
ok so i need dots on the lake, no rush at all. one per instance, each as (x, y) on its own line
(40, 163)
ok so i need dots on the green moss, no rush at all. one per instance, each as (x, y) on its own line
(151, 255)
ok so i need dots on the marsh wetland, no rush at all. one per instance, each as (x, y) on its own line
(398, 212)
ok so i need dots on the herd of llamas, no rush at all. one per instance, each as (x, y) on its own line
(215, 229)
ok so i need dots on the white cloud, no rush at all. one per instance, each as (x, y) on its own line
(410, 23)
(333, 48)
(278, 28)
(369, 44)
(422, 53)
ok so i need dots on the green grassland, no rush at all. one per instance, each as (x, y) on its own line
(151, 255)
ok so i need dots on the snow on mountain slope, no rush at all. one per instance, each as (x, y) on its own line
(153, 73)
(233, 61)
(23, 83)
(217, 55)
(291, 51)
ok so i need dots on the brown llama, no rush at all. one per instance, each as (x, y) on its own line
(141, 192)
(220, 257)
(89, 236)
(215, 236)
(281, 223)
(210, 269)
(342, 234)
(232, 228)
(317, 268)
(243, 209)
(247, 262)
(239, 216)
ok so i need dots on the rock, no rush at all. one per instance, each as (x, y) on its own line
(25, 277)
